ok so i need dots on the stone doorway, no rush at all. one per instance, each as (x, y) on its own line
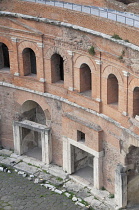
(82, 163)
(40, 149)
(32, 145)
(32, 133)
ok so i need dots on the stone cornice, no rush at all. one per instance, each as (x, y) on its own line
(103, 116)
(68, 25)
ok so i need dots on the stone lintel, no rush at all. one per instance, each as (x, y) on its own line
(32, 125)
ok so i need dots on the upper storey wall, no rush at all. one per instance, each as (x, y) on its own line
(81, 19)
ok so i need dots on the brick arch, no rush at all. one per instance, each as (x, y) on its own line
(133, 83)
(86, 60)
(7, 42)
(37, 100)
(31, 45)
(54, 50)
(23, 45)
(113, 70)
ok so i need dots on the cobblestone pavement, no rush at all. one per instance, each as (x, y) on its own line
(18, 193)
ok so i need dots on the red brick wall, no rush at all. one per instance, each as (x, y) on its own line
(99, 24)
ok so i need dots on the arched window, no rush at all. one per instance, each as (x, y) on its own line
(4, 57)
(57, 67)
(85, 79)
(112, 89)
(136, 101)
(29, 62)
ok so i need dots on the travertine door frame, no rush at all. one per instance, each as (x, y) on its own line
(45, 138)
(68, 160)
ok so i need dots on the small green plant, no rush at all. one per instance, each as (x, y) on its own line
(45, 171)
(71, 195)
(122, 55)
(59, 179)
(111, 196)
(84, 202)
(33, 165)
(91, 208)
(91, 50)
(3, 165)
(95, 198)
(103, 188)
(116, 36)
(29, 164)
(41, 196)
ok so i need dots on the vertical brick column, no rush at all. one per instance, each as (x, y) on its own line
(69, 74)
(14, 68)
(125, 97)
(40, 64)
(96, 81)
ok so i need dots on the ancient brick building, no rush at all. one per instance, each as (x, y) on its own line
(69, 94)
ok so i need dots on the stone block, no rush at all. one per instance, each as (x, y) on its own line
(74, 199)
(5, 152)
(57, 171)
(58, 191)
(27, 168)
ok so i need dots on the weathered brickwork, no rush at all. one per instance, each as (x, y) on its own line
(87, 101)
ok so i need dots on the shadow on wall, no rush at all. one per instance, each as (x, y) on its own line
(132, 161)
(128, 1)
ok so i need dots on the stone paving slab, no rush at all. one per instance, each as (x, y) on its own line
(57, 171)
(44, 175)
(32, 161)
(1, 158)
(27, 168)
(10, 161)
(73, 186)
(5, 152)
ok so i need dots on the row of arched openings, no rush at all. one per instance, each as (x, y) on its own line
(57, 68)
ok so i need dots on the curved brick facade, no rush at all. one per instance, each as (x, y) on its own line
(96, 126)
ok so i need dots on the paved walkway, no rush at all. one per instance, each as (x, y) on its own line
(26, 183)
(18, 193)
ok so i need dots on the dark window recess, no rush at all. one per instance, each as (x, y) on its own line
(33, 62)
(6, 56)
(29, 62)
(80, 136)
(57, 68)
(61, 69)
(136, 101)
